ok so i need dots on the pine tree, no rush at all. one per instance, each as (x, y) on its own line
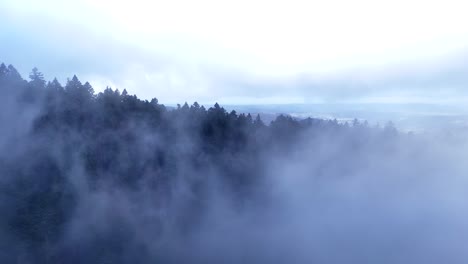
(37, 79)
(258, 121)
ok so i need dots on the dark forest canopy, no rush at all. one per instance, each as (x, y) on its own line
(65, 151)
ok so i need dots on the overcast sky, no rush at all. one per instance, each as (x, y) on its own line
(247, 51)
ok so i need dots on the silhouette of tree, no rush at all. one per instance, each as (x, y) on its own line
(37, 79)
(113, 142)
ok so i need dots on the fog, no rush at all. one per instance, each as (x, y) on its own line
(109, 178)
(403, 204)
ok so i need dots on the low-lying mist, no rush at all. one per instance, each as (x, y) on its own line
(110, 178)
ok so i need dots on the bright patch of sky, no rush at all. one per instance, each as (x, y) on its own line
(247, 51)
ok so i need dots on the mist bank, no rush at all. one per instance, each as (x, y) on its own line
(421, 118)
(110, 178)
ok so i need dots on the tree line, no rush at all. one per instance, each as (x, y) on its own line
(59, 140)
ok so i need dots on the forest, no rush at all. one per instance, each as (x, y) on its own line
(107, 177)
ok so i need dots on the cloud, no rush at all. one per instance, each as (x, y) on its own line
(179, 63)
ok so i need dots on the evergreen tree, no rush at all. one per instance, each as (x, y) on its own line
(37, 79)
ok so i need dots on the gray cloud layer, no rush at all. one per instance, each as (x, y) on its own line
(64, 49)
